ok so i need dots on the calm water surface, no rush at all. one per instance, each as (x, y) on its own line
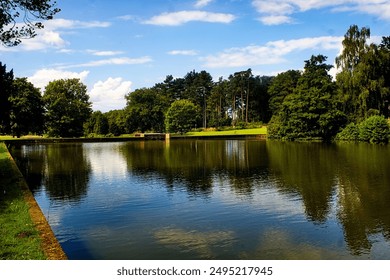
(213, 199)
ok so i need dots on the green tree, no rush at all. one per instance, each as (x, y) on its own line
(68, 107)
(281, 86)
(97, 124)
(258, 105)
(6, 90)
(217, 105)
(311, 110)
(145, 110)
(13, 11)
(198, 86)
(363, 81)
(117, 122)
(27, 108)
(181, 116)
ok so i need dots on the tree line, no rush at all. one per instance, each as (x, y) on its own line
(308, 104)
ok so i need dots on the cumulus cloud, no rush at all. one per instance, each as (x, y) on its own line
(273, 12)
(182, 17)
(109, 94)
(271, 53)
(42, 77)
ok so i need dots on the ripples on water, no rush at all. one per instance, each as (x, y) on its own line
(213, 199)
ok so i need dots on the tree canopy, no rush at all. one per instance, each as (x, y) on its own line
(181, 116)
(19, 19)
(27, 109)
(364, 80)
(310, 111)
(68, 107)
(6, 90)
(297, 104)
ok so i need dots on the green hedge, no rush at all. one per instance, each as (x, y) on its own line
(374, 129)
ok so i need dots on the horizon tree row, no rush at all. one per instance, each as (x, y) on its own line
(296, 104)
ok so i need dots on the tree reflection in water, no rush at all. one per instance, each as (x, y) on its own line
(339, 187)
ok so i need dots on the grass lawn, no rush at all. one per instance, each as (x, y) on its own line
(249, 131)
(19, 238)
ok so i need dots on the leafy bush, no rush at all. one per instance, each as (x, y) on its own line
(181, 116)
(349, 133)
(375, 129)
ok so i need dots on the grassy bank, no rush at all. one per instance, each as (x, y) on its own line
(19, 238)
(228, 132)
(231, 132)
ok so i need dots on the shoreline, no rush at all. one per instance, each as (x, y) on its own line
(49, 243)
(128, 139)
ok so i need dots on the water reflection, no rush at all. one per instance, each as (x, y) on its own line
(194, 164)
(277, 244)
(202, 244)
(364, 194)
(216, 198)
(307, 169)
(62, 169)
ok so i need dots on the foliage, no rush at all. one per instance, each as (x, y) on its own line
(281, 86)
(375, 129)
(68, 107)
(364, 78)
(97, 124)
(349, 133)
(217, 105)
(310, 111)
(181, 116)
(116, 122)
(145, 111)
(11, 10)
(6, 90)
(27, 109)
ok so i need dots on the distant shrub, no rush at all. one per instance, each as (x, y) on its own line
(375, 129)
(241, 125)
(349, 133)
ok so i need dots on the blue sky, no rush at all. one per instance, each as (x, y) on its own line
(118, 46)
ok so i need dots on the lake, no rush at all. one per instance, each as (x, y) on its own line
(213, 199)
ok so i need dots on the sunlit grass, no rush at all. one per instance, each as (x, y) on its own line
(19, 239)
(249, 131)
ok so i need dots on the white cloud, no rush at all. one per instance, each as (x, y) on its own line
(202, 3)
(126, 17)
(182, 17)
(183, 52)
(273, 52)
(56, 24)
(104, 53)
(50, 36)
(110, 94)
(111, 61)
(42, 77)
(276, 19)
(274, 12)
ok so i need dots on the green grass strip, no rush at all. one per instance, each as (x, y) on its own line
(249, 131)
(19, 238)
